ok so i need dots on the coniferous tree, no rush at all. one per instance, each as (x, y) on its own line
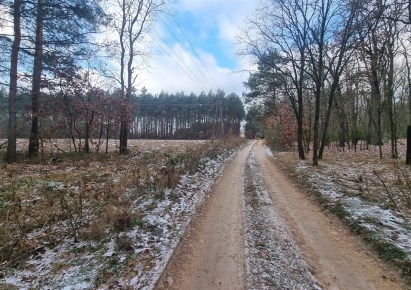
(61, 30)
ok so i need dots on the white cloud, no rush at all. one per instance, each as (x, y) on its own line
(228, 17)
(168, 76)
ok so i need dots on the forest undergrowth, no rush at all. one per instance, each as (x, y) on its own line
(91, 203)
(372, 195)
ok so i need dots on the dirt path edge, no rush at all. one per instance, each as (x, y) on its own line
(166, 278)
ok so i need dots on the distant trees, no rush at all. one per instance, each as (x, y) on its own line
(180, 116)
(255, 125)
(76, 109)
(339, 63)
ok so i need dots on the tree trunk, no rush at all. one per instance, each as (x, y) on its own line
(316, 127)
(342, 119)
(300, 129)
(73, 139)
(376, 100)
(12, 124)
(107, 134)
(123, 136)
(123, 147)
(37, 70)
(87, 138)
(408, 65)
(390, 100)
(408, 154)
(327, 118)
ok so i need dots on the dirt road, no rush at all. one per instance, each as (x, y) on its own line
(258, 231)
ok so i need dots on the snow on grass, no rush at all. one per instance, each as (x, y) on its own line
(387, 225)
(273, 259)
(354, 186)
(60, 267)
(134, 258)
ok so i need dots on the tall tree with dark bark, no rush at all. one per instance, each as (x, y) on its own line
(12, 123)
(36, 82)
(61, 32)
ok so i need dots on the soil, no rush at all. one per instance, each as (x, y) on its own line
(213, 252)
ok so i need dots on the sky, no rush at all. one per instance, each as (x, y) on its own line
(202, 38)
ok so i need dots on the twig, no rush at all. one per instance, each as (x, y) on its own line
(58, 149)
(2, 144)
(387, 191)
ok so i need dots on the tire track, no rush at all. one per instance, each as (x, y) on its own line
(273, 259)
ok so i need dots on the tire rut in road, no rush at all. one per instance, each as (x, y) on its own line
(273, 259)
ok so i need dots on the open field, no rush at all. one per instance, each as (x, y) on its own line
(56, 146)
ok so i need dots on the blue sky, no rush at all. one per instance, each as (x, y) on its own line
(211, 27)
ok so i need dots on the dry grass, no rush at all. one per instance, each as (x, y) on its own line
(86, 196)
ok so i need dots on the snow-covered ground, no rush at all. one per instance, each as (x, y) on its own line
(386, 223)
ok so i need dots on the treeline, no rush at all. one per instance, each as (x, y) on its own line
(94, 115)
(343, 67)
(180, 116)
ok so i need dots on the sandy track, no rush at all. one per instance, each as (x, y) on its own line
(211, 253)
(337, 258)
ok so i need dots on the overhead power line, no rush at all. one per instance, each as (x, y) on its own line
(192, 48)
(192, 75)
(183, 47)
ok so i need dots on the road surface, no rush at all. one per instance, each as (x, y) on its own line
(316, 249)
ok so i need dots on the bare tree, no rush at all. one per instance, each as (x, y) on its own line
(347, 21)
(277, 36)
(312, 40)
(131, 19)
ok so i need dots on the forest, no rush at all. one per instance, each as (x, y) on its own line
(73, 67)
(341, 68)
(325, 71)
(93, 116)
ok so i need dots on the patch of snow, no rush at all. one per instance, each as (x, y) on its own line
(301, 165)
(54, 270)
(384, 223)
(273, 258)
(269, 152)
(110, 250)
